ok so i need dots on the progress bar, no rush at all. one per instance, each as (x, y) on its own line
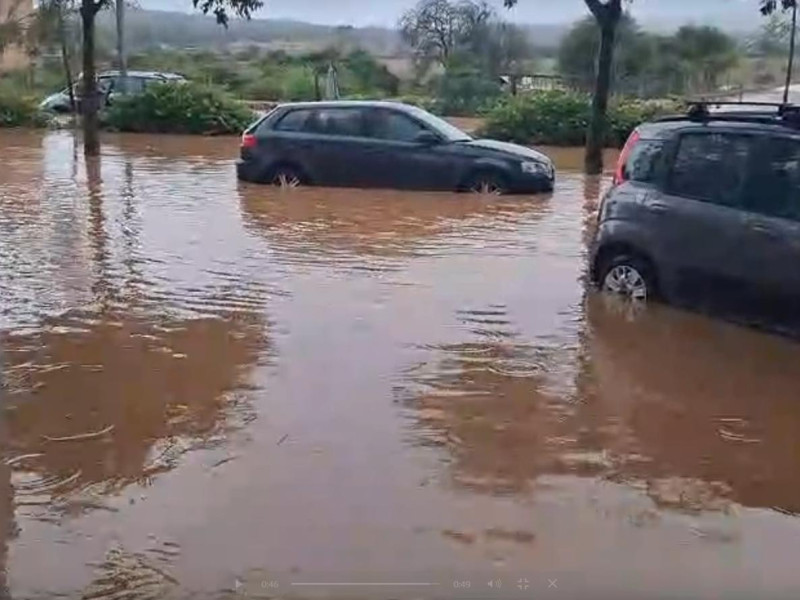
(361, 584)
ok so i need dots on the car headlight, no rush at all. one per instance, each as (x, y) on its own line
(536, 168)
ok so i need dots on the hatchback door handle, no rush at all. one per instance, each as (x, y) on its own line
(763, 229)
(658, 207)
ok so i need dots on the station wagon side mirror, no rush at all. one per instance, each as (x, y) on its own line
(427, 138)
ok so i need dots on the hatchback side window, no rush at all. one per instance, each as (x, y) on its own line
(775, 186)
(386, 124)
(294, 120)
(643, 162)
(711, 167)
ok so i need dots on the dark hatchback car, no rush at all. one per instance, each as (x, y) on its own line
(711, 197)
(383, 145)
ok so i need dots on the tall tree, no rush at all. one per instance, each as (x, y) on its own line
(439, 29)
(577, 53)
(91, 100)
(770, 6)
(46, 26)
(608, 14)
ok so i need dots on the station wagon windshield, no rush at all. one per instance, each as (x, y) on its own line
(450, 132)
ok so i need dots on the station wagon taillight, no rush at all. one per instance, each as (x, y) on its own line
(620, 174)
(248, 141)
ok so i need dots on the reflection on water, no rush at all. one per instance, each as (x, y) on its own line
(726, 393)
(137, 396)
(206, 383)
(315, 226)
(663, 402)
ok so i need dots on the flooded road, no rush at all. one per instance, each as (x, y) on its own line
(216, 390)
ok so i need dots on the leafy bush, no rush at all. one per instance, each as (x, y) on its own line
(275, 75)
(17, 110)
(465, 92)
(561, 118)
(298, 84)
(179, 108)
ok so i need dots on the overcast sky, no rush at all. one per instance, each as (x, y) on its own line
(386, 12)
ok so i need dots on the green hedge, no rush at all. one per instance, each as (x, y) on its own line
(17, 110)
(561, 118)
(179, 108)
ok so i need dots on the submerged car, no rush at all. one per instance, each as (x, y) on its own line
(383, 145)
(110, 84)
(712, 196)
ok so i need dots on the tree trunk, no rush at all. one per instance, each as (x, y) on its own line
(121, 53)
(65, 58)
(596, 135)
(790, 67)
(90, 104)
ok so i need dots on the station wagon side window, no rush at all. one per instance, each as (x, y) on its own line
(104, 84)
(346, 122)
(294, 120)
(774, 189)
(131, 85)
(385, 124)
(711, 167)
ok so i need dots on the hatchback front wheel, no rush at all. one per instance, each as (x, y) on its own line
(629, 277)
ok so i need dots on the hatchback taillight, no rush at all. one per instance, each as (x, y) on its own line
(249, 141)
(620, 175)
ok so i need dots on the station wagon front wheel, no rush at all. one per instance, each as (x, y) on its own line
(629, 277)
(487, 183)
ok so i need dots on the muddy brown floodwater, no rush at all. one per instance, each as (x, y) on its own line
(214, 390)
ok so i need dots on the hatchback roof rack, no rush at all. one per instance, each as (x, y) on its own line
(770, 113)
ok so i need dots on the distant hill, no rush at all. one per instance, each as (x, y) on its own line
(156, 28)
(150, 29)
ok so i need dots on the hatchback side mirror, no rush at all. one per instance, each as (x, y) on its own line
(426, 138)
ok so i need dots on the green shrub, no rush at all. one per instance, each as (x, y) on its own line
(17, 110)
(179, 108)
(464, 93)
(298, 84)
(561, 118)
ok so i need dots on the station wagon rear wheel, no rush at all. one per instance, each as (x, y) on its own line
(629, 277)
(286, 178)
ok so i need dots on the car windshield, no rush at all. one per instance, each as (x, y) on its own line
(450, 132)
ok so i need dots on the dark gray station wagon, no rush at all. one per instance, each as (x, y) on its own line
(383, 145)
(711, 196)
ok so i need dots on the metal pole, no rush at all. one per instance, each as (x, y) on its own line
(121, 57)
(790, 68)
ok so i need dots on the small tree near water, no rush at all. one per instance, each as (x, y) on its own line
(608, 15)
(91, 99)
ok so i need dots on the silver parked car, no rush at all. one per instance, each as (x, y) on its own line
(110, 84)
(713, 195)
